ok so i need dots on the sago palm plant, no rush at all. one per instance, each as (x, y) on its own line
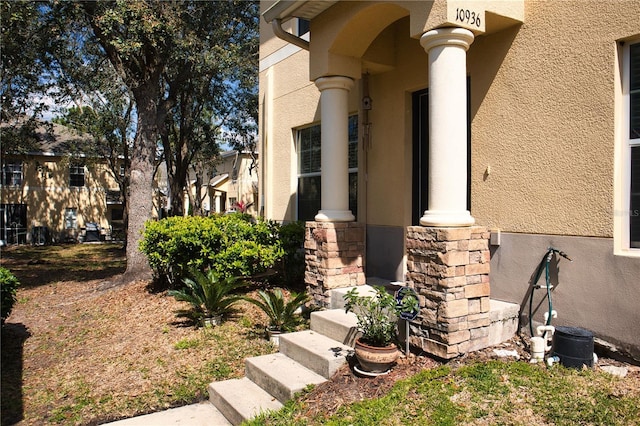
(280, 311)
(209, 295)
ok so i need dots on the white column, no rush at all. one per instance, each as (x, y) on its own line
(447, 49)
(334, 160)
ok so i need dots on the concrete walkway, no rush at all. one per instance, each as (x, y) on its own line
(203, 414)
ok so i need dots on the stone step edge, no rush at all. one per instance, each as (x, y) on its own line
(241, 399)
(315, 351)
(280, 375)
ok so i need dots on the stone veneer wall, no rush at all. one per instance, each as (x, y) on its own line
(449, 269)
(334, 258)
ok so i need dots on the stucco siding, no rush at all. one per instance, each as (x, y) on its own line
(597, 290)
(543, 100)
(46, 193)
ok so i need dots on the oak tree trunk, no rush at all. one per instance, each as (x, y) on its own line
(141, 187)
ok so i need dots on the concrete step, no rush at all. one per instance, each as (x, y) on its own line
(279, 375)
(336, 324)
(337, 295)
(504, 318)
(315, 351)
(241, 399)
(202, 414)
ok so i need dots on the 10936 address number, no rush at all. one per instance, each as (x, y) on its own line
(468, 17)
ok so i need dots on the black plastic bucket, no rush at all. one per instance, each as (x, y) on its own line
(574, 346)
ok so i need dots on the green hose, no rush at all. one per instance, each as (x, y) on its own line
(546, 260)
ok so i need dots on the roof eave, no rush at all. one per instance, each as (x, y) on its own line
(305, 9)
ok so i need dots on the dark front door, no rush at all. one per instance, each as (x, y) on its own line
(420, 155)
(420, 164)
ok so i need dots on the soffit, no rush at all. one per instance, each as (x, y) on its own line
(287, 9)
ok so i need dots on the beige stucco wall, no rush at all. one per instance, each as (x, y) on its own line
(47, 194)
(543, 100)
(389, 153)
(243, 188)
(288, 100)
(268, 42)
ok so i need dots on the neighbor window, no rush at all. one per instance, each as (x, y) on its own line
(71, 218)
(309, 147)
(13, 222)
(76, 175)
(12, 173)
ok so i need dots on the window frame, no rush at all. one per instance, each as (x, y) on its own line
(353, 160)
(71, 218)
(622, 208)
(74, 175)
(11, 169)
(308, 174)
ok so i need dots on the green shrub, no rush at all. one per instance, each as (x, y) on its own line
(230, 245)
(8, 286)
(378, 314)
(208, 294)
(281, 312)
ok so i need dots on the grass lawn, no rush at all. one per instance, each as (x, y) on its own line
(483, 393)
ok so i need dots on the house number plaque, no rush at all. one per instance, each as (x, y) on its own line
(466, 14)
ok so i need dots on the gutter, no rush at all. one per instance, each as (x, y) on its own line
(283, 10)
(276, 24)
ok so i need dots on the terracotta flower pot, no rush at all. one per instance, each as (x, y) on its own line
(376, 359)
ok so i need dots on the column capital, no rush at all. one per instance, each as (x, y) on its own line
(334, 82)
(446, 37)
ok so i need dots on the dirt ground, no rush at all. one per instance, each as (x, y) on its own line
(76, 338)
(76, 350)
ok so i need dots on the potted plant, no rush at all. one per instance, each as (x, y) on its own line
(377, 317)
(283, 314)
(210, 296)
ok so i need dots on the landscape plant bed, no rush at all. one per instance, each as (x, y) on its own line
(480, 388)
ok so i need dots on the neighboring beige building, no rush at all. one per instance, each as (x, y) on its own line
(518, 116)
(233, 184)
(50, 196)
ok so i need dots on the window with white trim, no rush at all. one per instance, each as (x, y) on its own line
(71, 218)
(631, 90)
(12, 173)
(76, 175)
(309, 148)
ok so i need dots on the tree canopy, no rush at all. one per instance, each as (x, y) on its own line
(189, 67)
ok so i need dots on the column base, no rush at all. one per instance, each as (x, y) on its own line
(444, 218)
(449, 268)
(335, 216)
(334, 258)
